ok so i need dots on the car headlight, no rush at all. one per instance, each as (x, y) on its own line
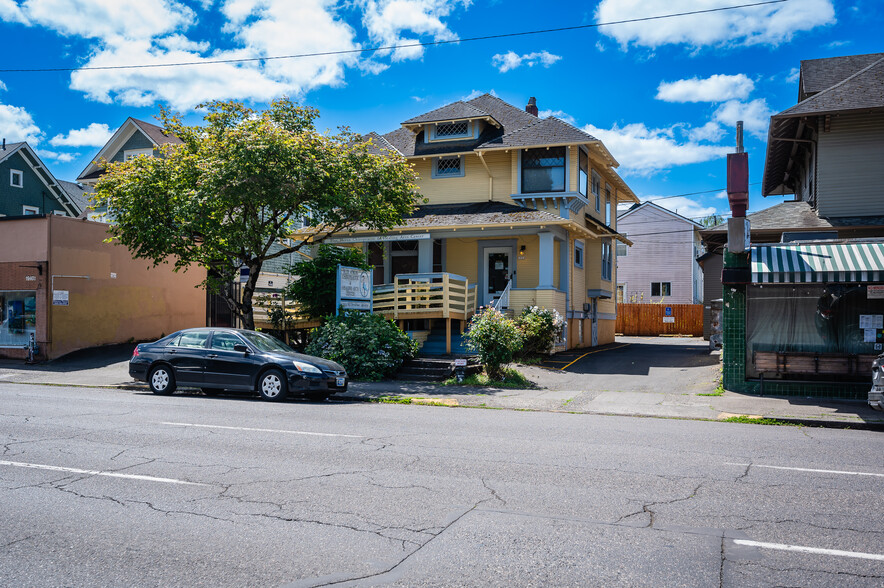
(307, 368)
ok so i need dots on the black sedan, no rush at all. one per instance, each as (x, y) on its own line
(217, 359)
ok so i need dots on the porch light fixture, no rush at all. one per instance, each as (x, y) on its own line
(522, 250)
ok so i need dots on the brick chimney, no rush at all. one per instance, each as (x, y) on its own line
(532, 106)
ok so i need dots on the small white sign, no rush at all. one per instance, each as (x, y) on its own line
(875, 291)
(668, 319)
(356, 304)
(870, 335)
(30, 278)
(60, 297)
(871, 321)
(460, 362)
(355, 283)
(113, 275)
(877, 346)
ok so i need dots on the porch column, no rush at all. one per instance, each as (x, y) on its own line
(425, 256)
(546, 261)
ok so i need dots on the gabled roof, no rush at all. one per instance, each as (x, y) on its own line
(79, 193)
(72, 205)
(819, 74)
(379, 144)
(130, 126)
(790, 215)
(651, 206)
(542, 132)
(451, 112)
(860, 91)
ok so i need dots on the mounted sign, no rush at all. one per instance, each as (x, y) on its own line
(875, 291)
(668, 319)
(60, 297)
(354, 289)
(668, 311)
(378, 238)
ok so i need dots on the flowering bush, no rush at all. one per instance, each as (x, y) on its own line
(540, 328)
(495, 338)
(369, 346)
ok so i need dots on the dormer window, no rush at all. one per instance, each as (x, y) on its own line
(130, 153)
(16, 178)
(447, 131)
(447, 167)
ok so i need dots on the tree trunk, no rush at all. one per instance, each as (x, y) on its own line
(247, 315)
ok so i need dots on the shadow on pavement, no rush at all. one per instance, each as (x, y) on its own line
(635, 357)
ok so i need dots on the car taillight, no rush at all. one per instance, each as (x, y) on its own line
(135, 353)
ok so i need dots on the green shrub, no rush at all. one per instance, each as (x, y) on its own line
(315, 287)
(495, 338)
(369, 346)
(540, 328)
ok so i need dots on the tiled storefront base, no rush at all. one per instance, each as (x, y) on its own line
(734, 353)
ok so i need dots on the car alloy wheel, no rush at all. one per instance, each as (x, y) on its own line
(161, 381)
(272, 386)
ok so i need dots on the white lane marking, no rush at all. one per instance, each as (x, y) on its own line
(814, 550)
(264, 430)
(770, 467)
(38, 466)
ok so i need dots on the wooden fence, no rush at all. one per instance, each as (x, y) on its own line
(660, 319)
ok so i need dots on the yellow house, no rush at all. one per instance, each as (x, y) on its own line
(521, 211)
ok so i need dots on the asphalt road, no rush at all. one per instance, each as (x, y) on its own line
(111, 488)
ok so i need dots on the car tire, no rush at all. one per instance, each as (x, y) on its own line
(212, 391)
(272, 386)
(161, 380)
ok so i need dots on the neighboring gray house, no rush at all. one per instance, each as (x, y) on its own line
(827, 151)
(28, 187)
(661, 265)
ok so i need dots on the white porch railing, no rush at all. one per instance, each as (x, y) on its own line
(428, 295)
(503, 301)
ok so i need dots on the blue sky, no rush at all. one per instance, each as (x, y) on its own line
(663, 95)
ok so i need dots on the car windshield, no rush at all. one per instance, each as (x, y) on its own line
(265, 342)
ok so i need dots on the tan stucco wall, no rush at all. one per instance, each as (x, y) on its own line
(23, 240)
(606, 332)
(141, 302)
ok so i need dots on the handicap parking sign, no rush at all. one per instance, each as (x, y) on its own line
(668, 311)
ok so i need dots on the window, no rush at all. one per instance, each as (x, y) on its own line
(608, 205)
(16, 178)
(225, 341)
(18, 318)
(578, 253)
(192, 339)
(622, 249)
(621, 292)
(543, 170)
(59, 213)
(583, 176)
(30, 210)
(597, 190)
(451, 130)
(606, 259)
(447, 167)
(130, 153)
(661, 288)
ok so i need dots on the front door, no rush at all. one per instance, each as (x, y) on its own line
(497, 272)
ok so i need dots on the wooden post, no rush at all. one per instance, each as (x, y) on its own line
(396, 298)
(448, 336)
(446, 302)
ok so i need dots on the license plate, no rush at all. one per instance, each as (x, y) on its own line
(340, 381)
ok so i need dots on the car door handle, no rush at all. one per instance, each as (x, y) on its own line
(212, 355)
(173, 351)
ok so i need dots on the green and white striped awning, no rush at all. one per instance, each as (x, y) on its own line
(802, 264)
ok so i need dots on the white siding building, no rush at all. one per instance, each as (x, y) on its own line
(661, 266)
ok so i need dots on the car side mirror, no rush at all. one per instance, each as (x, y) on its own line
(241, 348)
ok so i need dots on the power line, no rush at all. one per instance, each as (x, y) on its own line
(694, 193)
(389, 47)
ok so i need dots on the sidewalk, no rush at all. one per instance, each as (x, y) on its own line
(108, 368)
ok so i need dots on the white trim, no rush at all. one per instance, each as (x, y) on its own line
(130, 153)
(487, 296)
(21, 178)
(29, 210)
(59, 213)
(430, 132)
(658, 207)
(435, 162)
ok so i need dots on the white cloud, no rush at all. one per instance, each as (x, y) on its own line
(12, 12)
(771, 24)
(16, 124)
(95, 135)
(3, 86)
(716, 88)
(504, 62)
(642, 150)
(836, 44)
(711, 131)
(387, 20)
(56, 156)
(721, 195)
(477, 93)
(794, 75)
(685, 207)
(755, 116)
(559, 114)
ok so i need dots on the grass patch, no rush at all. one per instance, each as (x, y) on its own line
(531, 361)
(511, 379)
(759, 421)
(718, 391)
(392, 400)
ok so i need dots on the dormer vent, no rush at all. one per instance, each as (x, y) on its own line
(452, 129)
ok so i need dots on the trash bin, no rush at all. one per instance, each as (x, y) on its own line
(876, 394)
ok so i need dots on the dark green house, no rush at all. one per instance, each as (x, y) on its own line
(27, 186)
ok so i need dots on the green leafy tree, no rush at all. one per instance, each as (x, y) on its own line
(242, 182)
(317, 278)
(496, 338)
(711, 220)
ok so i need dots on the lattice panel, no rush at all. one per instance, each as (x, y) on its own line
(448, 166)
(452, 129)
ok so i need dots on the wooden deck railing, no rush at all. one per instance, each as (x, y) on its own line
(431, 295)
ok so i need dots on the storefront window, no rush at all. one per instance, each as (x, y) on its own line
(19, 318)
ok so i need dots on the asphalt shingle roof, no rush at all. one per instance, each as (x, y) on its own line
(547, 131)
(78, 193)
(819, 74)
(454, 111)
(476, 213)
(862, 90)
(10, 149)
(156, 133)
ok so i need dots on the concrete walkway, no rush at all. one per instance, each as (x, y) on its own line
(562, 391)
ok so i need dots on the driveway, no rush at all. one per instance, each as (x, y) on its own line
(633, 364)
